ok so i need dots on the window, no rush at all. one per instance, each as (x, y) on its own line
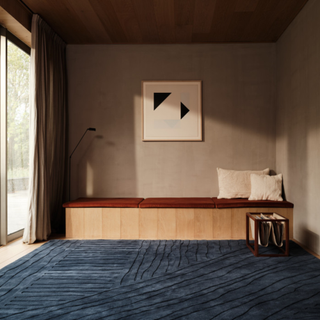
(15, 118)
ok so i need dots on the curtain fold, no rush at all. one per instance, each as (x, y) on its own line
(48, 115)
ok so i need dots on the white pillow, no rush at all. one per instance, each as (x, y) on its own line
(266, 187)
(236, 184)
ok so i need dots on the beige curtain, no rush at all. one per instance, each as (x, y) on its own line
(48, 130)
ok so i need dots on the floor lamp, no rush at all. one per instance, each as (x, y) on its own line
(89, 129)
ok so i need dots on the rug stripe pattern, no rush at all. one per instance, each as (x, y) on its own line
(153, 279)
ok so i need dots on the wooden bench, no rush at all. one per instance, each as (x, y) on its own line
(165, 218)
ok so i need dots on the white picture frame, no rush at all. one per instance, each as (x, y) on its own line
(172, 110)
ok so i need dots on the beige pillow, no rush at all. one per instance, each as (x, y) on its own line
(266, 187)
(236, 184)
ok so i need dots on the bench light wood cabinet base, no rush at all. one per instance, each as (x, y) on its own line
(153, 224)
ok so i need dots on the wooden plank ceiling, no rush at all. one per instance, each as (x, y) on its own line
(167, 21)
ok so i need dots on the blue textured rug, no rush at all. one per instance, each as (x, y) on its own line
(104, 279)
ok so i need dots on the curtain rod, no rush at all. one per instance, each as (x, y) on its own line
(26, 6)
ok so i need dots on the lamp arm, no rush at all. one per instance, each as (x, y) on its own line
(70, 160)
(77, 144)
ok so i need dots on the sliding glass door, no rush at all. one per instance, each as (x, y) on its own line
(15, 118)
(18, 118)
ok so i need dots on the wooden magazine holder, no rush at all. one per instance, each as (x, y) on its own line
(255, 249)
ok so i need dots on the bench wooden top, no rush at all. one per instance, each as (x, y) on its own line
(104, 203)
(245, 203)
(187, 202)
(177, 203)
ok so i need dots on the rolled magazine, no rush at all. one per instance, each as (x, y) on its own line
(277, 233)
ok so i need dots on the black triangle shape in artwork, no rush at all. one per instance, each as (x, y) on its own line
(158, 98)
(184, 110)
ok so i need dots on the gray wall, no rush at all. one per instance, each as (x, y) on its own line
(298, 121)
(105, 92)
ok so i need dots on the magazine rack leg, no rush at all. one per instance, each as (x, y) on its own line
(287, 237)
(254, 250)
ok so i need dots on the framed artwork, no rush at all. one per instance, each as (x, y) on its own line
(171, 111)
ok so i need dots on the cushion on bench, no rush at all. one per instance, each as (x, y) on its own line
(104, 203)
(245, 203)
(177, 203)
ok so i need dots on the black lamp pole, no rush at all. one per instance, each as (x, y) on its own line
(89, 129)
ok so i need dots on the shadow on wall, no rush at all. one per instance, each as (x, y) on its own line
(85, 163)
(301, 164)
(82, 152)
(309, 239)
(238, 116)
(298, 121)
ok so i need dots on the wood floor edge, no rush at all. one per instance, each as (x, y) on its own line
(15, 250)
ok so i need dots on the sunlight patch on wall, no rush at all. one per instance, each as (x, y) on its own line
(89, 185)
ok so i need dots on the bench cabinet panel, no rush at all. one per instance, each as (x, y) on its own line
(162, 223)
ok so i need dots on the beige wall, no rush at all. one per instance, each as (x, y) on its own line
(104, 92)
(298, 121)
